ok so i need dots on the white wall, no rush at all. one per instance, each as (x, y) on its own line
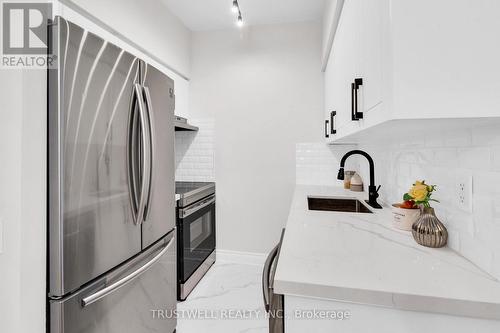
(22, 200)
(263, 87)
(318, 163)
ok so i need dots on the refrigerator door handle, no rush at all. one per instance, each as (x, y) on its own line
(151, 169)
(145, 160)
(123, 281)
(132, 152)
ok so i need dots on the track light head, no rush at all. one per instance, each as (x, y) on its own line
(235, 7)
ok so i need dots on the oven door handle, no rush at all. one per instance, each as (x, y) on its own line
(185, 212)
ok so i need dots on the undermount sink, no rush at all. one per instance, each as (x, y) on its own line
(348, 205)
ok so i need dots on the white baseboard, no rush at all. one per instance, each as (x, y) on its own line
(247, 258)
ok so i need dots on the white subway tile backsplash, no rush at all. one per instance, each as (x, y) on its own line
(486, 183)
(434, 141)
(495, 158)
(318, 163)
(444, 156)
(404, 169)
(194, 152)
(444, 160)
(477, 158)
(487, 136)
(454, 139)
(483, 207)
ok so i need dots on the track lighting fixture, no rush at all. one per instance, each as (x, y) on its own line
(236, 10)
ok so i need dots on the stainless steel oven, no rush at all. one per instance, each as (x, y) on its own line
(196, 234)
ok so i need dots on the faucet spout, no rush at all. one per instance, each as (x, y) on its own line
(372, 189)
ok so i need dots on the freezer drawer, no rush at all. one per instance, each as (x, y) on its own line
(144, 284)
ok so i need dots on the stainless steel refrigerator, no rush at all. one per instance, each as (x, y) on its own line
(111, 239)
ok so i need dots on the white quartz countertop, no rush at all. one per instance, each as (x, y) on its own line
(361, 258)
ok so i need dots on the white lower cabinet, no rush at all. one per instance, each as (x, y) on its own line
(320, 316)
(425, 60)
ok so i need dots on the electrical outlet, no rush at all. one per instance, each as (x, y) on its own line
(464, 193)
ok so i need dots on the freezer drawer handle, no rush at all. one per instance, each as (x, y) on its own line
(123, 281)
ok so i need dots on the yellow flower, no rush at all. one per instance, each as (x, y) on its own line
(419, 191)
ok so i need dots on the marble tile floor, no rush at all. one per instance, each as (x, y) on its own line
(227, 300)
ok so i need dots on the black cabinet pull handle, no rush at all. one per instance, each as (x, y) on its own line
(354, 99)
(353, 91)
(333, 126)
(326, 129)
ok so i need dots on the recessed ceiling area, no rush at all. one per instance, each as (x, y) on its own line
(200, 15)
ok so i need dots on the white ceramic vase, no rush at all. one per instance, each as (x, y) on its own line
(404, 218)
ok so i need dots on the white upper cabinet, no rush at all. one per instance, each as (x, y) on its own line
(370, 41)
(340, 69)
(426, 60)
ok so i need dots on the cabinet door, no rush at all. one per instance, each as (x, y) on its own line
(334, 94)
(329, 91)
(343, 64)
(369, 57)
(446, 60)
(335, 75)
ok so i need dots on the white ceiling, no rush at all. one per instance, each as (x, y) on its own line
(216, 14)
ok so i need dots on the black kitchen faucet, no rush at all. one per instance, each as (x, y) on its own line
(372, 189)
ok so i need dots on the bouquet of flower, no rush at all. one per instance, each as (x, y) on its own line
(419, 194)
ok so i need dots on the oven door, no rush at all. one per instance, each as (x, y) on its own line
(196, 230)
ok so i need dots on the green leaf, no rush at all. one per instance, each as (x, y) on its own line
(407, 197)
